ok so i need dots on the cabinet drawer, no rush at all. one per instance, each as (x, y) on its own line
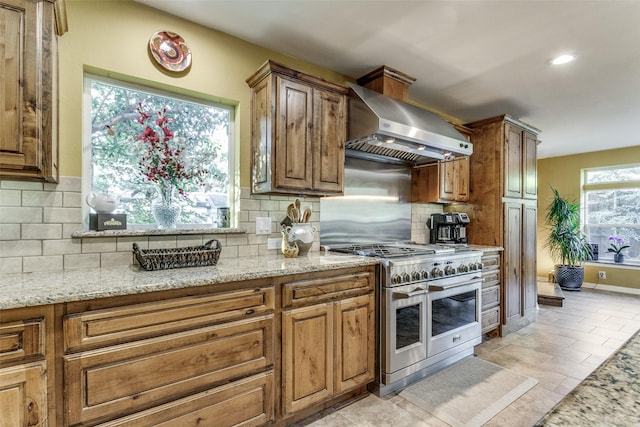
(491, 262)
(126, 378)
(21, 340)
(121, 324)
(490, 319)
(246, 402)
(313, 291)
(490, 278)
(490, 297)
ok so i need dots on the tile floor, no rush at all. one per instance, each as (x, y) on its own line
(559, 350)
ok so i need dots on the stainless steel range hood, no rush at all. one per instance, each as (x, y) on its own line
(382, 128)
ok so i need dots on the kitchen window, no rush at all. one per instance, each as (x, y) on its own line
(611, 197)
(112, 151)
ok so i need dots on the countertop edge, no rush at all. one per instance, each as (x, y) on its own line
(22, 290)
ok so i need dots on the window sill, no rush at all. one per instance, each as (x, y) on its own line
(135, 233)
(627, 264)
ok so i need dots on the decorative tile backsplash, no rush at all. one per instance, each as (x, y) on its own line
(37, 221)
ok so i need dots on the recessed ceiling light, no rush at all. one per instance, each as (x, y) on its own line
(562, 59)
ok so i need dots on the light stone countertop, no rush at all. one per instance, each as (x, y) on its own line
(33, 289)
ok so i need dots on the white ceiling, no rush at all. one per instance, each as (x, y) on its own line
(471, 59)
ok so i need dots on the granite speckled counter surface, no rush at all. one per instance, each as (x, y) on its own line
(32, 289)
(610, 396)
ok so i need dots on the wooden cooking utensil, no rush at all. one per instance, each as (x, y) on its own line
(306, 215)
(297, 205)
(291, 214)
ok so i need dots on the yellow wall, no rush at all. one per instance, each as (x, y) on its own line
(111, 38)
(563, 173)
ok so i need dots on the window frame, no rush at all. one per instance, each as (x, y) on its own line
(167, 91)
(603, 255)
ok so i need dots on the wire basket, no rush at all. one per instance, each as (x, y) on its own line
(190, 256)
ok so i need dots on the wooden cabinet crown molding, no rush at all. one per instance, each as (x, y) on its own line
(502, 118)
(272, 67)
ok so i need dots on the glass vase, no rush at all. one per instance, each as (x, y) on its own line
(166, 211)
(166, 215)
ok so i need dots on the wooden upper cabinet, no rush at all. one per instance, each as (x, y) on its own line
(512, 161)
(28, 90)
(530, 166)
(520, 163)
(446, 181)
(298, 131)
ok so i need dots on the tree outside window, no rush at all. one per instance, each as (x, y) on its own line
(203, 128)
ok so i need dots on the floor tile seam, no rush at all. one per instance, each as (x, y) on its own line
(621, 335)
(584, 337)
(616, 314)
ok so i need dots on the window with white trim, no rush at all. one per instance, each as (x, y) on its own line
(611, 200)
(112, 151)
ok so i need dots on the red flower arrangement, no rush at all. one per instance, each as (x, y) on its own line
(163, 161)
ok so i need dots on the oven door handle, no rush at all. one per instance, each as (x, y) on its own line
(404, 295)
(454, 285)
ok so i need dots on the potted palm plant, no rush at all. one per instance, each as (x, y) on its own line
(566, 241)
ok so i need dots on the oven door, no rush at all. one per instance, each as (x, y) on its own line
(405, 325)
(454, 313)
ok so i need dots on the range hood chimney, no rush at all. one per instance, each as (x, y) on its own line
(383, 126)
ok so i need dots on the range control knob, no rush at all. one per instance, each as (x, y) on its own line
(406, 277)
(480, 266)
(436, 272)
(449, 270)
(463, 268)
(473, 266)
(415, 275)
(396, 279)
(425, 274)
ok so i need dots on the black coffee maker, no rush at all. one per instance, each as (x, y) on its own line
(448, 227)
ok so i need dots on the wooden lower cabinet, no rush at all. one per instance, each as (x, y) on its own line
(491, 292)
(23, 395)
(327, 349)
(175, 361)
(26, 366)
(244, 353)
(108, 382)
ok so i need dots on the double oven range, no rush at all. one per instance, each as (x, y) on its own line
(429, 299)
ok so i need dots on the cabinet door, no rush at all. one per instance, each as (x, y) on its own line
(529, 280)
(448, 180)
(28, 74)
(512, 161)
(462, 179)
(354, 342)
(512, 262)
(307, 359)
(294, 147)
(23, 395)
(329, 135)
(261, 135)
(530, 168)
